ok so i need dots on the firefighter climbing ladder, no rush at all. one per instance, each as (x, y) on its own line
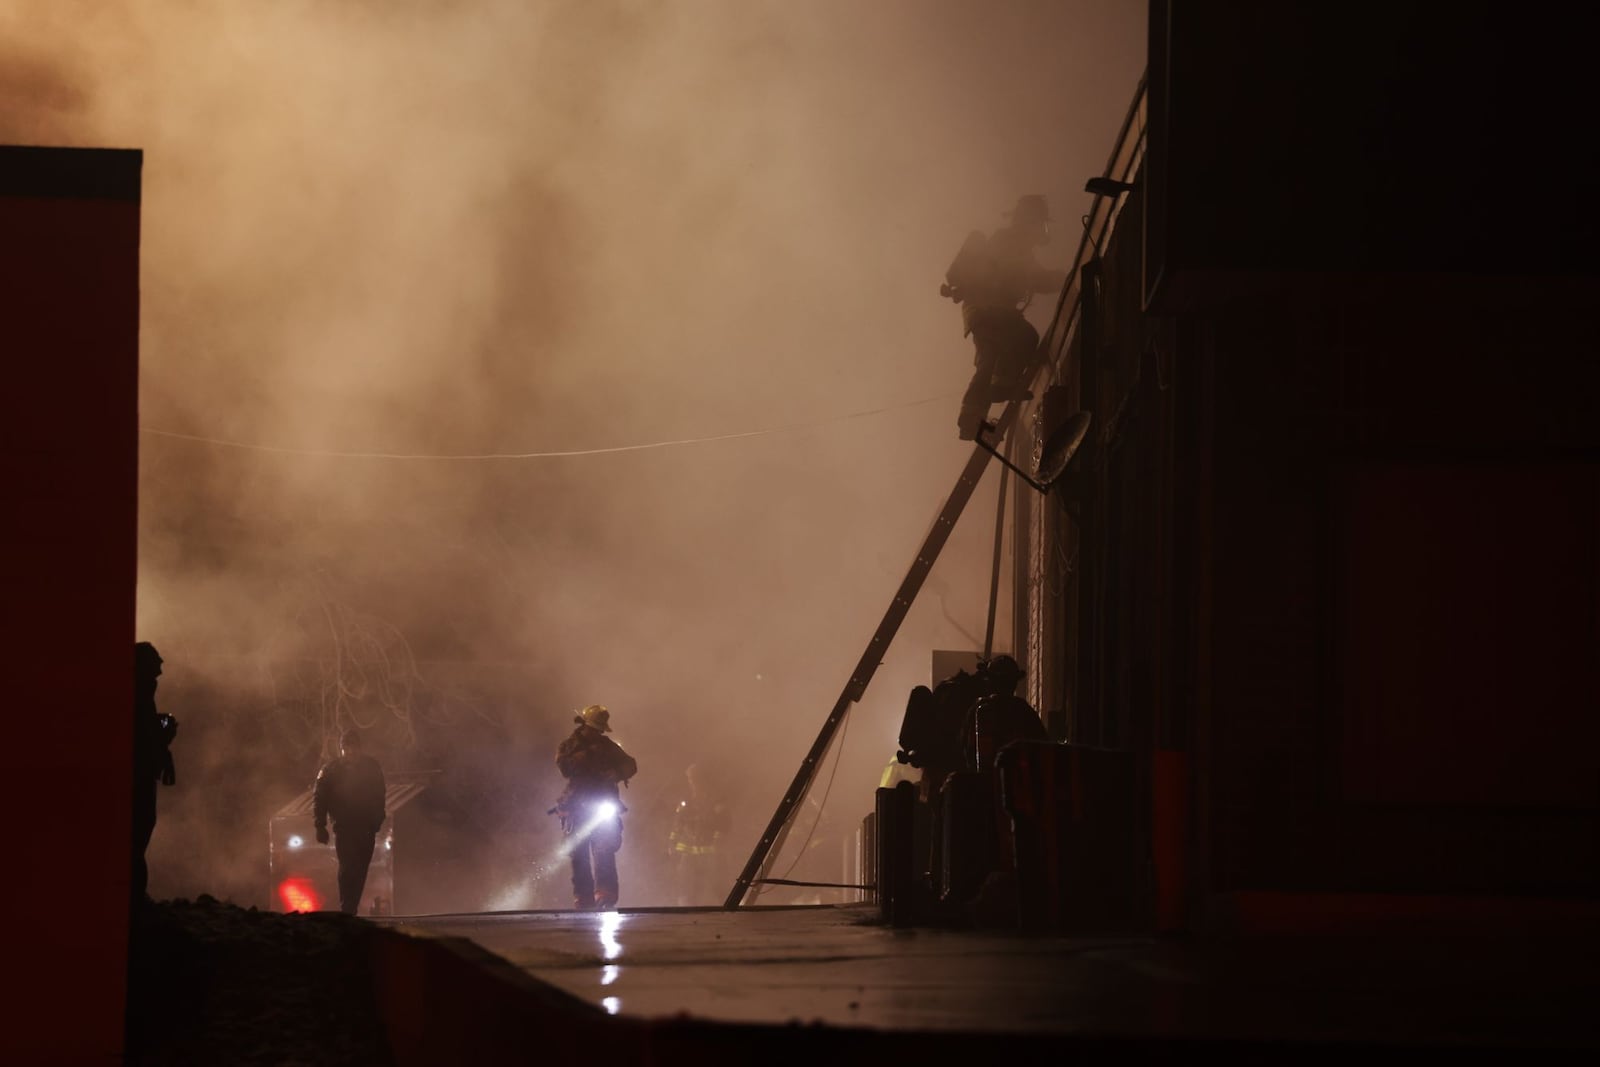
(772, 837)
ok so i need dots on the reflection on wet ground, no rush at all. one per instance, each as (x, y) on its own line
(837, 965)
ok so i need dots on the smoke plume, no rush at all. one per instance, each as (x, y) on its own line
(417, 275)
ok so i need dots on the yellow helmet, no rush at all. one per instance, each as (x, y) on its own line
(597, 716)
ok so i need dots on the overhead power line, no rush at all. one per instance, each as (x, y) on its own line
(222, 442)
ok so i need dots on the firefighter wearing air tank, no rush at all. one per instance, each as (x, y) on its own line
(591, 807)
(993, 278)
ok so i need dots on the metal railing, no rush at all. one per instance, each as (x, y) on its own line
(1126, 157)
(1038, 530)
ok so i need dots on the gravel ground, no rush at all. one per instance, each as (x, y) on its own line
(213, 983)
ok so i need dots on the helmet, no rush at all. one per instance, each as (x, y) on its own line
(1004, 668)
(597, 716)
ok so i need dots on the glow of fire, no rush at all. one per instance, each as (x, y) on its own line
(297, 894)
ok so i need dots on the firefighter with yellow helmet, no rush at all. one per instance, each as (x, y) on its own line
(591, 807)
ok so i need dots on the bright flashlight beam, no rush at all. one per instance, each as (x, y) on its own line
(603, 811)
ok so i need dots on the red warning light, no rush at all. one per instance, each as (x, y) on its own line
(298, 895)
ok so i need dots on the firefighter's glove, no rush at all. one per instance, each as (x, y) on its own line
(322, 835)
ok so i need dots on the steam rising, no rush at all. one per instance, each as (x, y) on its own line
(451, 229)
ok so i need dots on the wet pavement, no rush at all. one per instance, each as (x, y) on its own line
(838, 966)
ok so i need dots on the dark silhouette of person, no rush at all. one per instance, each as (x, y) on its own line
(959, 726)
(591, 807)
(994, 279)
(699, 823)
(931, 731)
(152, 759)
(998, 716)
(932, 739)
(351, 791)
(996, 719)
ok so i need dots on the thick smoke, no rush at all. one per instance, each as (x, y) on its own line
(376, 230)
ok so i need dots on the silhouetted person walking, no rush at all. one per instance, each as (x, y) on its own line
(591, 807)
(152, 759)
(994, 278)
(350, 789)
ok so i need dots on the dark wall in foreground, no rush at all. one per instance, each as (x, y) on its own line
(1369, 244)
(1368, 259)
(1367, 136)
(1404, 659)
(69, 331)
(1336, 579)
